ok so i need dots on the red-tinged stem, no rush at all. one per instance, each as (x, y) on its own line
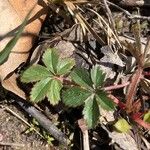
(132, 89)
(117, 101)
(114, 87)
(137, 119)
(65, 80)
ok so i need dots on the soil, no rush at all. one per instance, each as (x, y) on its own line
(13, 134)
(12, 131)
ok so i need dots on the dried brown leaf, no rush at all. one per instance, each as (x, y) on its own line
(12, 14)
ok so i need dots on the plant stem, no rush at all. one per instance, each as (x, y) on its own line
(113, 87)
(133, 88)
(84, 129)
(117, 101)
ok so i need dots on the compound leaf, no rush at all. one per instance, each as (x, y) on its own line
(65, 65)
(97, 76)
(82, 77)
(54, 91)
(40, 89)
(91, 112)
(104, 101)
(75, 96)
(50, 59)
(35, 73)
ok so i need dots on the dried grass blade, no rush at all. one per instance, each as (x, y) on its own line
(81, 19)
(147, 48)
(112, 32)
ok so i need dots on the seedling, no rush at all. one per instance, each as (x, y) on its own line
(48, 77)
(85, 88)
(89, 93)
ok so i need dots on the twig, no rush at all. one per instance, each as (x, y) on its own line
(146, 142)
(42, 119)
(16, 115)
(110, 17)
(83, 127)
(132, 39)
(82, 21)
(12, 144)
(106, 25)
(129, 15)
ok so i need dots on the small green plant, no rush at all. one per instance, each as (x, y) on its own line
(89, 93)
(49, 77)
(84, 88)
(40, 131)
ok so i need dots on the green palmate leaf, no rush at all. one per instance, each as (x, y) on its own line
(50, 59)
(91, 112)
(122, 126)
(65, 65)
(104, 101)
(40, 90)
(75, 96)
(4, 54)
(54, 91)
(147, 117)
(97, 76)
(35, 73)
(82, 77)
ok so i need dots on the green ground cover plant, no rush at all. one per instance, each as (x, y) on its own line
(84, 88)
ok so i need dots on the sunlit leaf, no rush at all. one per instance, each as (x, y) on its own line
(122, 126)
(35, 73)
(40, 90)
(91, 112)
(54, 91)
(50, 59)
(82, 77)
(4, 54)
(147, 117)
(97, 76)
(104, 101)
(75, 96)
(65, 65)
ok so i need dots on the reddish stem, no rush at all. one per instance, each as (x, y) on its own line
(117, 101)
(114, 87)
(132, 89)
(137, 119)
